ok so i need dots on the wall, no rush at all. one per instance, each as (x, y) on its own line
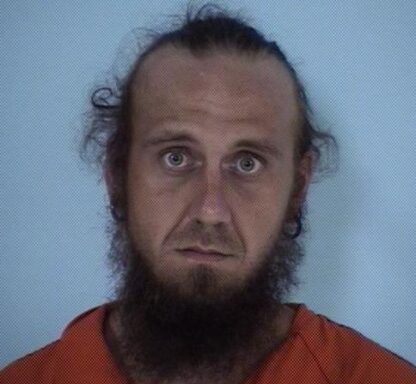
(357, 61)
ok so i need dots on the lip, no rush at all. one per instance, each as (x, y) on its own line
(204, 251)
(202, 256)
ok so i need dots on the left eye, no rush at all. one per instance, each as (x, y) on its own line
(249, 162)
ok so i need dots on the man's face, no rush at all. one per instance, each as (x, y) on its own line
(211, 165)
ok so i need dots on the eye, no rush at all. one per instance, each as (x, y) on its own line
(173, 158)
(249, 163)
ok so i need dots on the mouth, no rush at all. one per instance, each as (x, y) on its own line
(200, 255)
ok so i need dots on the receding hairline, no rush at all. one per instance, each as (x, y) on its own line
(213, 50)
(172, 47)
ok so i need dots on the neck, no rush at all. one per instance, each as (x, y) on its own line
(244, 360)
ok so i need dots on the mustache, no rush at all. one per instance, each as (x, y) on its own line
(217, 239)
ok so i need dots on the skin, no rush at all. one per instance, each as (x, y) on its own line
(213, 194)
(218, 99)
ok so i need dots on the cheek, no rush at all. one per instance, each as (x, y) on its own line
(265, 216)
(153, 207)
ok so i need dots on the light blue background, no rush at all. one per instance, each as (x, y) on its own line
(357, 59)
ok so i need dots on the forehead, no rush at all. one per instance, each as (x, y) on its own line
(172, 83)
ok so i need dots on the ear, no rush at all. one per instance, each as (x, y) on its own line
(303, 177)
(108, 179)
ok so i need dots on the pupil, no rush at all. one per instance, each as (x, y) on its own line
(175, 158)
(247, 162)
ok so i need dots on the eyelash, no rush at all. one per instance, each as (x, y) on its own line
(186, 151)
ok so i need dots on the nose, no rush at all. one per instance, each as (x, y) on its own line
(210, 204)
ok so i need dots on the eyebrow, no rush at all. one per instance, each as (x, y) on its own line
(167, 136)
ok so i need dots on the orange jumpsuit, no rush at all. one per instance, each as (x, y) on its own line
(317, 350)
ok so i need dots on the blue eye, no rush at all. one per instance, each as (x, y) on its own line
(248, 162)
(174, 158)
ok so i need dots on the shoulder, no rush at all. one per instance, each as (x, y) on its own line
(345, 355)
(40, 365)
(30, 368)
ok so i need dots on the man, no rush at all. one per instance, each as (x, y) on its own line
(207, 150)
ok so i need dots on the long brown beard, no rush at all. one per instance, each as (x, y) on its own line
(168, 336)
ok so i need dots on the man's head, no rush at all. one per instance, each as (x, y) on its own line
(211, 161)
(211, 148)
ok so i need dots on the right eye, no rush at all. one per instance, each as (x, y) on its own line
(174, 158)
